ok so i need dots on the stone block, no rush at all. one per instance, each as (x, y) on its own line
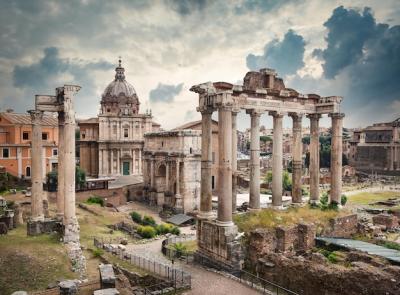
(386, 220)
(20, 293)
(3, 228)
(108, 291)
(342, 227)
(43, 227)
(306, 237)
(107, 276)
(69, 287)
(286, 238)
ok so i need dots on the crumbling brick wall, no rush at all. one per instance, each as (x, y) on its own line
(342, 227)
(386, 220)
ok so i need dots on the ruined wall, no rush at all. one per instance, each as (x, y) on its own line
(342, 227)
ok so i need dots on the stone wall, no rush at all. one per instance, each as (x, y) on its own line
(387, 221)
(342, 227)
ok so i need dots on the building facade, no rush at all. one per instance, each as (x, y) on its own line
(112, 144)
(172, 161)
(15, 143)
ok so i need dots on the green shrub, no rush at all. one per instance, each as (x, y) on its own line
(332, 258)
(391, 245)
(164, 228)
(148, 220)
(180, 249)
(147, 231)
(97, 252)
(176, 231)
(95, 200)
(343, 200)
(136, 217)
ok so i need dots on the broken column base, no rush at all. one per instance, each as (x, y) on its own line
(46, 226)
(71, 240)
(71, 231)
(218, 247)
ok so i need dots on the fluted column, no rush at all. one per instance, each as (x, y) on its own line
(254, 202)
(167, 176)
(314, 158)
(277, 166)
(37, 166)
(71, 233)
(152, 171)
(206, 163)
(224, 217)
(61, 167)
(234, 159)
(336, 157)
(178, 197)
(297, 163)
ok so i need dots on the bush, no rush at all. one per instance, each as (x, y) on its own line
(180, 249)
(164, 228)
(97, 252)
(148, 220)
(332, 258)
(147, 231)
(176, 231)
(136, 217)
(95, 200)
(343, 200)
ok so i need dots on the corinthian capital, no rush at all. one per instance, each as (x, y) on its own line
(36, 117)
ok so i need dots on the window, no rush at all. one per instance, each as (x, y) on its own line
(55, 152)
(25, 135)
(45, 136)
(213, 157)
(126, 133)
(115, 129)
(83, 135)
(213, 182)
(191, 150)
(6, 153)
(28, 171)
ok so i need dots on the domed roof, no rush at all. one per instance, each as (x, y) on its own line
(119, 87)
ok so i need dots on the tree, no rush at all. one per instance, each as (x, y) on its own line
(265, 138)
(80, 178)
(286, 180)
(306, 140)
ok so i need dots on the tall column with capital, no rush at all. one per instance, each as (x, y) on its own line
(224, 217)
(206, 163)
(234, 159)
(254, 202)
(71, 233)
(277, 157)
(297, 162)
(61, 166)
(37, 166)
(178, 197)
(314, 158)
(336, 157)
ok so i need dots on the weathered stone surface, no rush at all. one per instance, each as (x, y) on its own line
(109, 291)
(3, 228)
(20, 293)
(342, 227)
(386, 220)
(107, 276)
(69, 287)
(41, 227)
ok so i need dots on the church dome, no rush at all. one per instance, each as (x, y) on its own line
(119, 87)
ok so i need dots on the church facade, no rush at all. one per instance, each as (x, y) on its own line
(112, 144)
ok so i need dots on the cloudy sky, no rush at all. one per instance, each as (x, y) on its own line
(348, 48)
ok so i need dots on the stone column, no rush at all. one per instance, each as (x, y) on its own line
(314, 158)
(336, 157)
(37, 166)
(297, 161)
(152, 171)
(277, 167)
(112, 161)
(224, 217)
(254, 202)
(178, 197)
(71, 232)
(167, 176)
(61, 167)
(234, 159)
(206, 163)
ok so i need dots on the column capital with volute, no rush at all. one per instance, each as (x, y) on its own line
(277, 114)
(254, 112)
(36, 116)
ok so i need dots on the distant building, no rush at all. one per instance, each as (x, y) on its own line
(378, 148)
(112, 143)
(15, 143)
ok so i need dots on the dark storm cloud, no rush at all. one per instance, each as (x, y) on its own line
(285, 56)
(43, 76)
(368, 53)
(186, 7)
(165, 93)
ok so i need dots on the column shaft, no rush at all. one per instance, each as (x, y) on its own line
(254, 202)
(314, 158)
(277, 167)
(297, 162)
(61, 165)
(224, 217)
(206, 163)
(234, 161)
(167, 176)
(336, 157)
(152, 171)
(37, 166)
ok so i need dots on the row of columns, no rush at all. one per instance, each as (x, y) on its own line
(107, 159)
(228, 161)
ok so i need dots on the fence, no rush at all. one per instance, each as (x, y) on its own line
(173, 253)
(180, 278)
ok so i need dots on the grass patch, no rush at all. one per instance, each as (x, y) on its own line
(190, 246)
(269, 218)
(365, 198)
(31, 263)
(95, 200)
(390, 245)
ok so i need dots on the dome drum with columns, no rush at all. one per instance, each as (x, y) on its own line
(112, 143)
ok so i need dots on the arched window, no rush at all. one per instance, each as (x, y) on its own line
(28, 171)
(162, 170)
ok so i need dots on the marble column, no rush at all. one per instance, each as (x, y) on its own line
(61, 166)
(234, 159)
(254, 202)
(37, 166)
(336, 157)
(224, 217)
(167, 176)
(206, 164)
(178, 197)
(152, 171)
(112, 162)
(297, 160)
(71, 232)
(277, 166)
(314, 158)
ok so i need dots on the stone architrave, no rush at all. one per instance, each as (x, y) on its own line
(71, 227)
(224, 217)
(314, 158)
(61, 165)
(297, 162)
(254, 202)
(336, 157)
(277, 158)
(206, 164)
(37, 213)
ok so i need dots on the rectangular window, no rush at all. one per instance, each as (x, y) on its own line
(55, 152)
(25, 135)
(6, 153)
(44, 136)
(125, 133)
(83, 135)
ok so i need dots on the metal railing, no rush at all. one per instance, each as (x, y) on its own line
(175, 254)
